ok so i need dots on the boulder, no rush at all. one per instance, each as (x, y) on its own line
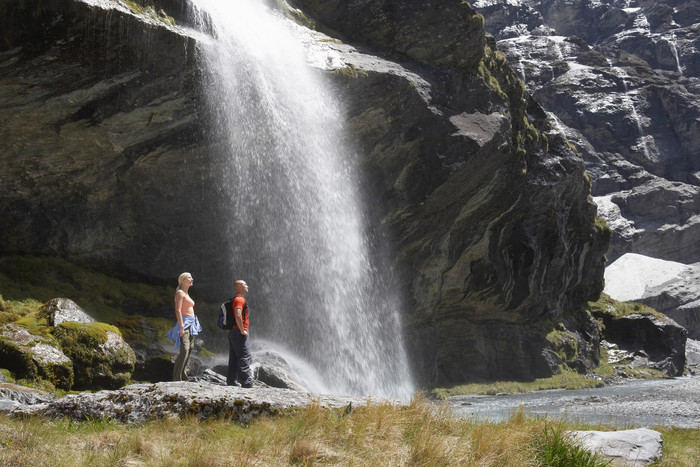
(13, 396)
(101, 358)
(58, 310)
(669, 287)
(273, 370)
(692, 356)
(34, 356)
(154, 360)
(628, 448)
(653, 341)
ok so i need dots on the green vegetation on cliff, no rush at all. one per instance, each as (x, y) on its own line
(28, 280)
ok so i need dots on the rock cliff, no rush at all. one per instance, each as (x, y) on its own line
(107, 158)
(622, 77)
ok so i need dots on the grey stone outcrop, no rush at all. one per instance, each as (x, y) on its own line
(142, 402)
(628, 448)
(34, 356)
(679, 299)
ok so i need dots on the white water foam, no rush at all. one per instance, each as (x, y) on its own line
(297, 225)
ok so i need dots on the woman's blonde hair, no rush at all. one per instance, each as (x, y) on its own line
(181, 278)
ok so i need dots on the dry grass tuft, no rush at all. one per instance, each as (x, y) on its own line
(418, 434)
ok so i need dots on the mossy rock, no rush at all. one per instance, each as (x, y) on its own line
(101, 358)
(32, 357)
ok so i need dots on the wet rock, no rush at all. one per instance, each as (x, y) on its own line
(31, 356)
(142, 402)
(58, 310)
(692, 355)
(449, 34)
(638, 447)
(210, 376)
(154, 361)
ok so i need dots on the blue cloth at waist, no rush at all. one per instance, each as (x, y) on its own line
(188, 321)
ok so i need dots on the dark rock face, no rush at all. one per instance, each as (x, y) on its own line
(654, 342)
(494, 232)
(446, 33)
(106, 158)
(623, 79)
(95, 101)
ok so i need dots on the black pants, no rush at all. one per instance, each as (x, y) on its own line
(239, 359)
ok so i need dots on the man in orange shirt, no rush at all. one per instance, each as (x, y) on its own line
(239, 358)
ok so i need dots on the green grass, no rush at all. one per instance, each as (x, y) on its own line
(619, 309)
(567, 379)
(553, 447)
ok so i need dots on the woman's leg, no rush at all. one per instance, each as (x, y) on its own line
(182, 357)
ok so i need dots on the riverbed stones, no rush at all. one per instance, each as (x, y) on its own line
(630, 448)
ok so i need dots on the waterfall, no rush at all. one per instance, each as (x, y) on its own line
(297, 227)
(645, 141)
(674, 50)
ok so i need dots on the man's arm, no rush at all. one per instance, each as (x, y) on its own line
(238, 312)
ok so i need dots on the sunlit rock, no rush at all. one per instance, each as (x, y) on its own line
(58, 310)
(34, 355)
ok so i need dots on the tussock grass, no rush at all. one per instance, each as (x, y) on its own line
(681, 447)
(419, 434)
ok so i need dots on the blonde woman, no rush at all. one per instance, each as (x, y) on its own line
(187, 326)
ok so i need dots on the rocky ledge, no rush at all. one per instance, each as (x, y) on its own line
(139, 403)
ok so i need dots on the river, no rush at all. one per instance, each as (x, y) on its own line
(633, 403)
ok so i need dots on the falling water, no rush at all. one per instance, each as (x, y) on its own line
(628, 102)
(674, 50)
(297, 229)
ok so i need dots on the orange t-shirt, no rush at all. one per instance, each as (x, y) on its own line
(239, 302)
